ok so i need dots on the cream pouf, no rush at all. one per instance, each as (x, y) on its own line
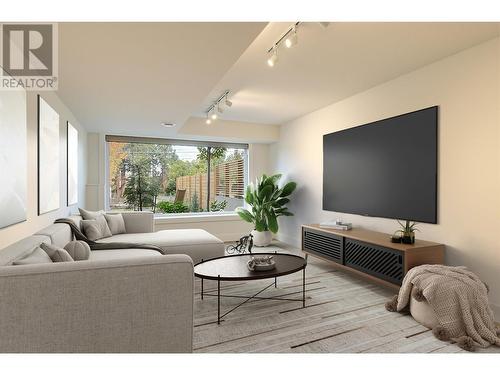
(423, 313)
(79, 250)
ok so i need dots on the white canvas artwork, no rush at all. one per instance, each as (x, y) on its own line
(48, 158)
(13, 148)
(72, 165)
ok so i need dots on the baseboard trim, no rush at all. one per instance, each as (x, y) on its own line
(289, 240)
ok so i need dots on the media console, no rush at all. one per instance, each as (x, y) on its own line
(369, 253)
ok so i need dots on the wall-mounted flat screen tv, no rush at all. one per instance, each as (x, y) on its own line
(386, 168)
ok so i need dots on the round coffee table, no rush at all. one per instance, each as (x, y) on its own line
(234, 268)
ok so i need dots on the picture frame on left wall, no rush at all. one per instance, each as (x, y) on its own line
(13, 156)
(48, 158)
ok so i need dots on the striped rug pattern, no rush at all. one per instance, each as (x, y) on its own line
(343, 314)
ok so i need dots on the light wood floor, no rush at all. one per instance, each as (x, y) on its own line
(343, 313)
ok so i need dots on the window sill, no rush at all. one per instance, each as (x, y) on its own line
(196, 217)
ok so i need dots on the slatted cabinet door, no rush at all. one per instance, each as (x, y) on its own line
(323, 244)
(381, 262)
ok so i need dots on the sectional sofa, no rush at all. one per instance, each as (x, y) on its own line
(124, 300)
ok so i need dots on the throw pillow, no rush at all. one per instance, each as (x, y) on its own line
(91, 229)
(37, 256)
(56, 253)
(96, 229)
(90, 215)
(116, 223)
(78, 250)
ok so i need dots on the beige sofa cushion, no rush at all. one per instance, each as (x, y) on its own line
(96, 229)
(59, 234)
(116, 223)
(37, 256)
(21, 249)
(122, 254)
(197, 243)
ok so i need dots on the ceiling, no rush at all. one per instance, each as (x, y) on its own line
(125, 78)
(333, 63)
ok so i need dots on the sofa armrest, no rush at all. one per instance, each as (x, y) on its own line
(138, 221)
(130, 305)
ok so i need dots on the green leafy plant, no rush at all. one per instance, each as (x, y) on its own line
(218, 206)
(407, 229)
(268, 202)
(172, 207)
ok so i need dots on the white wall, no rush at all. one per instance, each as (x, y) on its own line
(34, 222)
(466, 88)
(229, 131)
(96, 177)
(258, 160)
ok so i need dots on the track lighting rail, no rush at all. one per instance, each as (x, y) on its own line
(216, 107)
(276, 44)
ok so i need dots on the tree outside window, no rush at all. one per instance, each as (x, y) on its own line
(169, 178)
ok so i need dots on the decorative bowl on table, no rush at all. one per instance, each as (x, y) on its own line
(261, 263)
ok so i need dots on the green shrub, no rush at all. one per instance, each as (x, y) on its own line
(195, 205)
(172, 207)
(218, 206)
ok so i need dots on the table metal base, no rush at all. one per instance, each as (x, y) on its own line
(255, 296)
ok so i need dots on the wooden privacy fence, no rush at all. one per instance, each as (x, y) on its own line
(226, 180)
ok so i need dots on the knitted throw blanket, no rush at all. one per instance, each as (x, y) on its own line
(459, 300)
(105, 245)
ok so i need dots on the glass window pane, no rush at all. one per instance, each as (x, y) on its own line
(174, 178)
(229, 179)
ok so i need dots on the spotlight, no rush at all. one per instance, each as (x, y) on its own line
(271, 61)
(291, 39)
(217, 107)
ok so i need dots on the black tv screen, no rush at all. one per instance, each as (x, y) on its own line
(386, 168)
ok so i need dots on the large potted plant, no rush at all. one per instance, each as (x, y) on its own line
(268, 202)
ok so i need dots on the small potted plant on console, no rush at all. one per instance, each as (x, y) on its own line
(407, 231)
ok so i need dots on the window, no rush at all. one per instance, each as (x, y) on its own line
(172, 176)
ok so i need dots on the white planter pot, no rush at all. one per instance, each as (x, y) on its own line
(262, 239)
